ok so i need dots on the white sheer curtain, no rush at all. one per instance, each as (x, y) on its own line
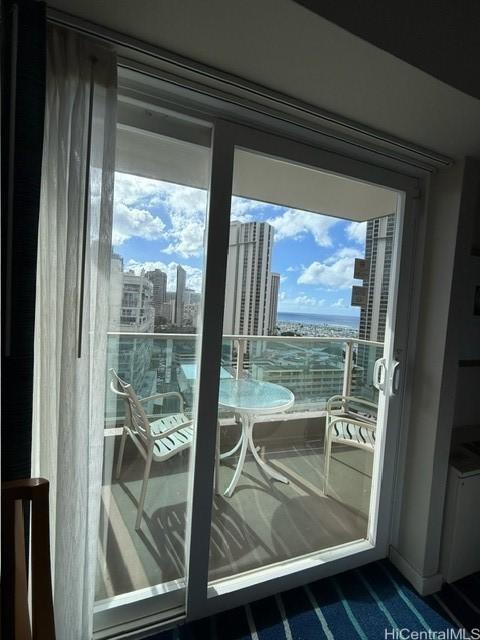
(74, 249)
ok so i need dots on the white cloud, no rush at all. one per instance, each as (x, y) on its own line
(246, 210)
(130, 221)
(296, 224)
(185, 209)
(182, 199)
(303, 303)
(301, 300)
(194, 275)
(340, 303)
(186, 234)
(343, 252)
(242, 209)
(356, 231)
(283, 278)
(305, 300)
(336, 272)
(129, 189)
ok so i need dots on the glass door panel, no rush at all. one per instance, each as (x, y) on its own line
(161, 180)
(308, 303)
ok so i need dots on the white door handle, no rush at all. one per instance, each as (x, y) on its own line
(395, 378)
(379, 374)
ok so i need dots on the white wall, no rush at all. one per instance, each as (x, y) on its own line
(283, 46)
(467, 406)
(429, 432)
(466, 281)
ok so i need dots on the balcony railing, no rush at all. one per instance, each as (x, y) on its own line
(313, 368)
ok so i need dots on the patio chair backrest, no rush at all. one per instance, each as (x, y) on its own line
(354, 406)
(137, 420)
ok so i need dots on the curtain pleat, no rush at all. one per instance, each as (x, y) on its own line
(74, 249)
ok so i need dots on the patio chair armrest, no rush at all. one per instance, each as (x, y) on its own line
(334, 400)
(345, 400)
(162, 396)
(363, 401)
(116, 391)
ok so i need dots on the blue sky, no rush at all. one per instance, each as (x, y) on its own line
(159, 225)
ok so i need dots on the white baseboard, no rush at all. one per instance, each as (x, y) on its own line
(425, 585)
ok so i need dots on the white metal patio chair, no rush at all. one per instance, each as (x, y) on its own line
(157, 440)
(350, 421)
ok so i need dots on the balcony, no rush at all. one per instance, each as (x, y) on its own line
(264, 521)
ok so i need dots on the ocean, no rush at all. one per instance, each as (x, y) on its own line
(351, 322)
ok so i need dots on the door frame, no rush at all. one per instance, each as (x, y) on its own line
(227, 135)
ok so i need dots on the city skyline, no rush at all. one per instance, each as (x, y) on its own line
(159, 225)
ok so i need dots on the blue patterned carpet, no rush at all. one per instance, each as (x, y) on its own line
(358, 604)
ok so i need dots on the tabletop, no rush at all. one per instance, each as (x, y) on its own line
(189, 370)
(254, 396)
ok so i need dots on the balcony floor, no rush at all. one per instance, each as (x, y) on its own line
(262, 523)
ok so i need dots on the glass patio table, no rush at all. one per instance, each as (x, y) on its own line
(249, 398)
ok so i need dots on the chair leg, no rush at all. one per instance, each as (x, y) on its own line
(120, 453)
(326, 463)
(148, 464)
(217, 462)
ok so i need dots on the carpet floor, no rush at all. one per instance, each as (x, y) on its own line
(360, 604)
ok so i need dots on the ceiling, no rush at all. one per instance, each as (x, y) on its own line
(441, 38)
(285, 47)
(258, 177)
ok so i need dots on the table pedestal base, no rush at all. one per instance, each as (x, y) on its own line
(245, 442)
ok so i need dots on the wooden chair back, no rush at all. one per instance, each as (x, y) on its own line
(17, 625)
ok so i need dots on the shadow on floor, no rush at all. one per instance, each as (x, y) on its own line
(264, 522)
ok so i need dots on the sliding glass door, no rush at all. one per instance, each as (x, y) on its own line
(253, 396)
(160, 204)
(306, 303)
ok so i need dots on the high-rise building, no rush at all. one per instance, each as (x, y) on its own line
(191, 297)
(165, 313)
(190, 313)
(180, 295)
(378, 254)
(376, 284)
(274, 289)
(248, 280)
(159, 280)
(130, 300)
(115, 292)
(137, 312)
(131, 311)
